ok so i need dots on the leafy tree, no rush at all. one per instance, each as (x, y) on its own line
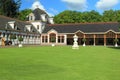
(67, 17)
(77, 17)
(9, 8)
(23, 14)
(109, 16)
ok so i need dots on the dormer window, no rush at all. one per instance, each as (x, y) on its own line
(15, 27)
(51, 20)
(43, 17)
(12, 24)
(30, 29)
(25, 29)
(38, 27)
(31, 17)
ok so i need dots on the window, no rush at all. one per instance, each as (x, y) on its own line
(31, 17)
(37, 26)
(3, 34)
(60, 39)
(31, 29)
(25, 29)
(52, 37)
(44, 39)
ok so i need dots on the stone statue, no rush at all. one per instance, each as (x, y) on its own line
(75, 44)
(3, 42)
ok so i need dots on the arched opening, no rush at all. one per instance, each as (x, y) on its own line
(52, 38)
(110, 36)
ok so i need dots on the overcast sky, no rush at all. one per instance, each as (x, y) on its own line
(53, 7)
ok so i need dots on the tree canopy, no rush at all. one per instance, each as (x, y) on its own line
(10, 8)
(68, 16)
(23, 14)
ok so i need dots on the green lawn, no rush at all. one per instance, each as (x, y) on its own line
(60, 63)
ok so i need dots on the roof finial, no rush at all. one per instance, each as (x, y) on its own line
(37, 6)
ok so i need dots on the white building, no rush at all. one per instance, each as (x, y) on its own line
(30, 30)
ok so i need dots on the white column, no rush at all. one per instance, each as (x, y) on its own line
(48, 38)
(28, 39)
(0, 39)
(94, 40)
(56, 38)
(65, 39)
(41, 39)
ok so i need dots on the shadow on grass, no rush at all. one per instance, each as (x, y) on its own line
(114, 47)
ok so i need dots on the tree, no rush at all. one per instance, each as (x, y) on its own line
(9, 8)
(109, 16)
(23, 14)
(67, 17)
(77, 17)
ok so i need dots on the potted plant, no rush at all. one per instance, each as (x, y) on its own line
(116, 40)
(20, 40)
(13, 37)
(84, 40)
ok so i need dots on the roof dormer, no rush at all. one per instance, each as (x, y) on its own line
(28, 27)
(43, 17)
(12, 24)
(31, 17)
(50, 20)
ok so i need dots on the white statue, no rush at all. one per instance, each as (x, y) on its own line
(75, 44)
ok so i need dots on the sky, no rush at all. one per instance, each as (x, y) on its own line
(54, 7)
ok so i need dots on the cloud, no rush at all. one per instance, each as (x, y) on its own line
(76, 4)
(106, 4)
(37, 4)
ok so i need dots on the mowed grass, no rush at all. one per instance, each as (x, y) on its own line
(60, 63)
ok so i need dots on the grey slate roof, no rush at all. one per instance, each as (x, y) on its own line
(38, 12)
(20, 24)
(84, 27)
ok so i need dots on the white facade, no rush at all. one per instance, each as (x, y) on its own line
(38, 25)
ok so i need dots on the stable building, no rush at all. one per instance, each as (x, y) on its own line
(103, 33)
(40, 29)
(30, 30)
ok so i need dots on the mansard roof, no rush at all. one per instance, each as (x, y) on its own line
(84, 27)
(20, 24)
(38, 12)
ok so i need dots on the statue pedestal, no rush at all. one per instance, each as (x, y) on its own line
(75, 44)
(116, 45)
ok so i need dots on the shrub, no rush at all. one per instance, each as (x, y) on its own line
(84, 40)
(116, 40)
(20, 39)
